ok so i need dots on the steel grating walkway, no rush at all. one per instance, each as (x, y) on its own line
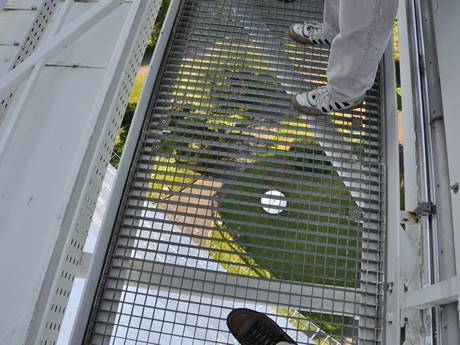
(235, 200)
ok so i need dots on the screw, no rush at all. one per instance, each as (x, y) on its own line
(455, 187)
(390, 318)
(390, 287)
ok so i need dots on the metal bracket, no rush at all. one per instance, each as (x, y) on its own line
(424, 209)
(445, 292)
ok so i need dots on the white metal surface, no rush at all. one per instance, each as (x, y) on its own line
(422, 329)
(69, 33)
(410, 241)
(447, 29)
(17, 21)
(97, 261)
(56, 160)
(393, 286)
(79, 283)
(31, 247)
(23, 24)
(7, 54)
(442, 293)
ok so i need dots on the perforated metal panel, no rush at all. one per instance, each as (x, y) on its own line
(74, 245)
(235, 200)
(32, 39)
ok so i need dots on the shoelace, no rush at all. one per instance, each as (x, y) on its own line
(315, 32)
(320, 96)
(261, 334)
(312, 26)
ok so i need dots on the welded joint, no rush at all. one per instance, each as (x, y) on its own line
(423, 209)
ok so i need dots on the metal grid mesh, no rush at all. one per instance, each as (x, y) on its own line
(198, 234)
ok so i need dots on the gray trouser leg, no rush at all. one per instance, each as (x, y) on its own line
(331, 18)
(365, 29)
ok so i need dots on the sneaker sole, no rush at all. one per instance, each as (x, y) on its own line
(305, 110)
(298, 38)
(316, 112)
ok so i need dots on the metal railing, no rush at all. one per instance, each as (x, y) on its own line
(439, 272)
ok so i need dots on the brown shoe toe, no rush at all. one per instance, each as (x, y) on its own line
(253, 328)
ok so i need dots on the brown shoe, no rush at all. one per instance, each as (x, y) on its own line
(250, 327)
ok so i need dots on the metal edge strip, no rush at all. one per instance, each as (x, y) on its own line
(392, 292)
(105, 235)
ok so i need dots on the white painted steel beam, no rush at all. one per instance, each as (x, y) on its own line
(68, 35)
(52, 165)
(446, 16)
(439, 294)
(54, 45)
(98, 258)
(393, 285)
(412, 238)
(22, 27)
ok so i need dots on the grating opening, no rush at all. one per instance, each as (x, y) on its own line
(235, 200)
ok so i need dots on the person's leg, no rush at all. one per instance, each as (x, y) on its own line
(365, 29)
(331, 17)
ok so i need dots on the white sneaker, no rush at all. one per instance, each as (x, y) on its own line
(309, 33)
(319, 102)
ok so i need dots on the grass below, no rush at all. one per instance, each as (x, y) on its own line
(309, 242)
(313, 240)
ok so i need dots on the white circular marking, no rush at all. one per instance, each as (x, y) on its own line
(273, 202)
